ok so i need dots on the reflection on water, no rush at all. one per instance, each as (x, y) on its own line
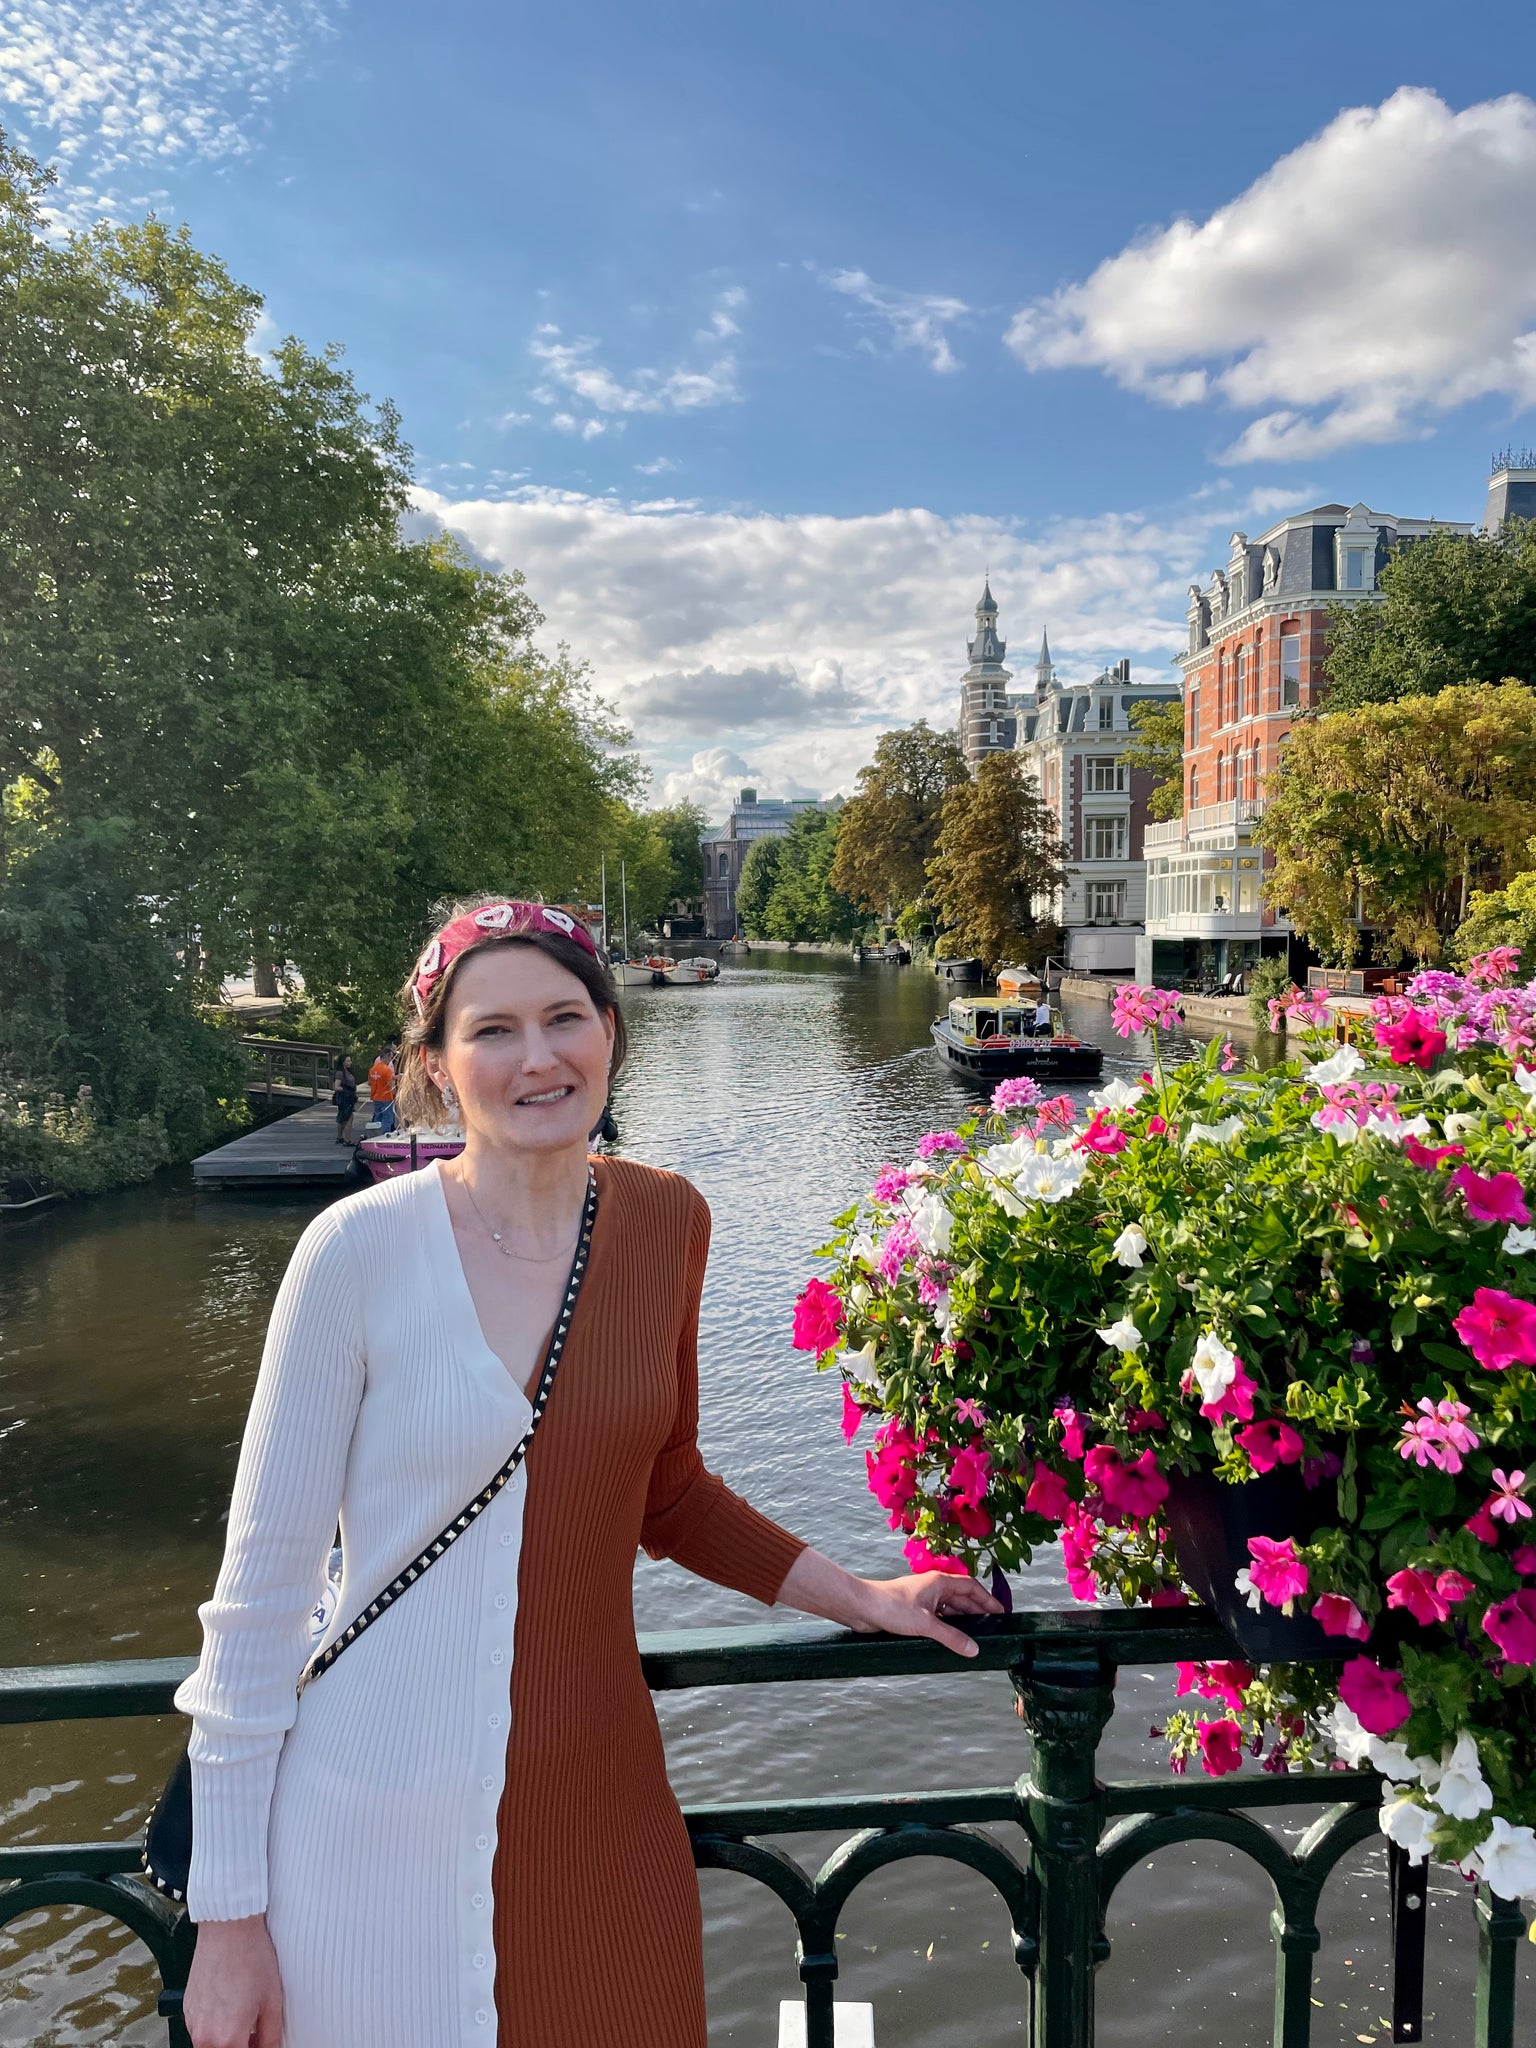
(130, 1329)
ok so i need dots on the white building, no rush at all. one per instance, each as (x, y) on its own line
(1073, 737)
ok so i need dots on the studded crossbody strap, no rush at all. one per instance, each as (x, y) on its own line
(447, 1537)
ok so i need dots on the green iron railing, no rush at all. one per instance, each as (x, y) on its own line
(1077, 1836)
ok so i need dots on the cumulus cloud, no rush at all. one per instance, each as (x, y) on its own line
(915, 320)
(1381, 273)
(107, 88)
(795, 639)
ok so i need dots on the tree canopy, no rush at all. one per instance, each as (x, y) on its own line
(786, 889)
(241, 716)
(1456, 608)
(1393, 815)
(1158, 750)
(997, 866)
(888, 829)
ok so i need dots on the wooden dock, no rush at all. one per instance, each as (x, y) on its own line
(295, 1151)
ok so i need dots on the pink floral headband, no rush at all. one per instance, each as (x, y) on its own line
(476, 926)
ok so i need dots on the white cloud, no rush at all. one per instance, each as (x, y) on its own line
(795, 639)
(914, 320)
(657, 468)
(1381, 273)
(105, 88)
(572, 370)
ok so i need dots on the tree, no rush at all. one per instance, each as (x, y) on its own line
(999, 856)
(1158, 751)
(1456, 608)
(1392, 815)
(887, 831)
(1502, 917)
(680, 827)
(755, 886)
(804, 905)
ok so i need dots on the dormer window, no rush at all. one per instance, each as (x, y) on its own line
(1106, 714)
(1355, 551)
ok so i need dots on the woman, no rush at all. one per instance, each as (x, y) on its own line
(344, 1095)
(382, 1865)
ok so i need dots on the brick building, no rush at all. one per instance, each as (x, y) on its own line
(1257, 636)
(725, 847)
(988, 717)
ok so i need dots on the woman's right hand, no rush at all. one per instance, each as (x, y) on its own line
(234, 1994)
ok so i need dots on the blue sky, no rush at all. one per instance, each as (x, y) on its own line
(754, 334)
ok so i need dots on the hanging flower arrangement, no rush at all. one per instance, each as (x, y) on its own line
(1265, 1337)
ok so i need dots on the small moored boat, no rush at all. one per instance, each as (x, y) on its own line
(684, 973)
(990, 1038)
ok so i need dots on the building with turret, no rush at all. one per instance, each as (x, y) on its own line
(1072, 737)
(988, 721)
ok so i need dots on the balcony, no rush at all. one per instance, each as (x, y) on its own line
(1206, 825)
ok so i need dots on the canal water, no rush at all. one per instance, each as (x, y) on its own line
(130, 1330)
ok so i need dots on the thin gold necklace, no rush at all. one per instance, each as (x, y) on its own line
(497, 1239)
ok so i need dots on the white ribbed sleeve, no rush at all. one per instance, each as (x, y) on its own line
(256, 1628)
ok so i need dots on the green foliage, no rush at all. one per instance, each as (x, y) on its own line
(49, 1143)
(1457, 608)
(1158, 751)
(679, 826)
(889, 828)
(1269, 980)
(786, 890)
(1502, 917)
(1400, 811)
(998, 862)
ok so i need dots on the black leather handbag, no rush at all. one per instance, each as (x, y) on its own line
(167, 1852)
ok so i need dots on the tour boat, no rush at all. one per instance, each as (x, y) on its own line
(989, 1037)
(387, 1157)
(683, 973)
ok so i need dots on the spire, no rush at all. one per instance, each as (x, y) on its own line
(1044, 665)
(988, 602)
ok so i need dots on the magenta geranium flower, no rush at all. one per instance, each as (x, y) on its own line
(1048, 1495)
(818, 1318)
(890, 1182)
(1378, 1699)
(1416, 1592)
(1269, 1444)
(1494, 1198)
(1511, 1627)
(1336, 1615)
(1276, 1572)
(1498, 1330)
(1221, 1747)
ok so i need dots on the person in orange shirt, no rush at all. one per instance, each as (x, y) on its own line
(381, 1090)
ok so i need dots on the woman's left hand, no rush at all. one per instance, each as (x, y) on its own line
(916, 1606)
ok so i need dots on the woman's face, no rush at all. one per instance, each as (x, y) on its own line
(525, 1049)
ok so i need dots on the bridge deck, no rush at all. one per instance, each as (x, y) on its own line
(298, 1149)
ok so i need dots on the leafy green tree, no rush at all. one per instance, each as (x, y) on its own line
(1457, 608)
(1158, 750)
(888, 829)
(804, 905)
(1393, 815)
(755, 886)
(1502, 917)
(680, 826)
(998, 865)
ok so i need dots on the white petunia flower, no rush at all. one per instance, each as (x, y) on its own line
(1131, 1245)
(1404, 1821)
(1525, 1080)
(1250, 1592)
(1214, 1367)
(864, 1248)
(1351, 1743)
(1122, 1336)
(1214, 1134)
(1518, 1242)
(933, 1225)
(1116, 1094)
(859, 1294)
(1330, 1072)
(1462, 1791)
(1459, 1123)
(1507, 1860)
(1393, 1761)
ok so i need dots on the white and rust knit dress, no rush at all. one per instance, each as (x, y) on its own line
(463, 1835)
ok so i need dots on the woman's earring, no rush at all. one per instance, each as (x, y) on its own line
(450, 1100)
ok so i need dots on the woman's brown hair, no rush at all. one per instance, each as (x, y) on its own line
(417, 1098)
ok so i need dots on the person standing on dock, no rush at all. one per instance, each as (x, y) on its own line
(381, 1089)
(465, 1837)
(344, 1095)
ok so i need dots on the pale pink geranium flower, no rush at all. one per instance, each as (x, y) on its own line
(1498, 1329)
(971, 1412)
(1505, 1504)
(1438, 1435)
(1019, 1093)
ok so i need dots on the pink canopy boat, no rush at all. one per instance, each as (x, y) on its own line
(385, 1158)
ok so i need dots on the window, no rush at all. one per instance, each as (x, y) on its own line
(1106, 714)
(1105, 837)
(1241, 668)
(1194, 788)
(1248, 886)
(1194, 718)
(1290, 668)
(1354, 569)
(1106, 902)
(1102, 772)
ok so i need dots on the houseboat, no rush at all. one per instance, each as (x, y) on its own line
(991, 1039)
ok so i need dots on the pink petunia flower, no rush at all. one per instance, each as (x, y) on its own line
(1102, 1136)
(968, 1475)
(1511, 1627)
(1228, 1057)
(1498, 1330)
(1271, 1443)
(1337, 1615)
(1415, 1040)
(1378, 1699)
(1048, 1495)
(1073, 1443)
(1227, 1681)
(1454, 1587)
(818, 1318)
(1277, 1573)
(922, 1559)
(1482, 1526)
(1135, 1489)
(1221, 1747)
(1417, 1153)
(1157, 1127)
(1494, 1198)
(1505, 1503)
(853, 1414)
(1415, 1591)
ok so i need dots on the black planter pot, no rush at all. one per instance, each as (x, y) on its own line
(1210, 1523)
